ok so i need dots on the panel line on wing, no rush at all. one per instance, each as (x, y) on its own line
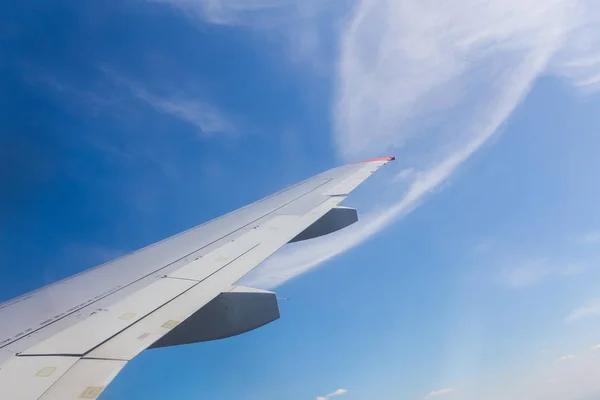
(183, 279)
(103, 324)
(143, 334)
(57, 340)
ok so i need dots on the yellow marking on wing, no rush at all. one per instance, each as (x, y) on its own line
(45, 372)
(127, 316)
(92, 392)
(170, 324)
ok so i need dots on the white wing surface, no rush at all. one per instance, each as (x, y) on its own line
(68, 340)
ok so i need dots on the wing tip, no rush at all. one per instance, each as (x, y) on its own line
(391, 158)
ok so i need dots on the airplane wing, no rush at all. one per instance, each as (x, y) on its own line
(69, 340)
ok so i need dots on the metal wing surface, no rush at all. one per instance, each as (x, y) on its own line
(68, 340)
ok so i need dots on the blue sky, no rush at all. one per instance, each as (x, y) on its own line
(473, 272)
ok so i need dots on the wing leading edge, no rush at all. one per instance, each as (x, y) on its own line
(70, 339)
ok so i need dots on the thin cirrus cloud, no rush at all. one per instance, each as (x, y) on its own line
(187, 107)
(592, 309)
(568, 357)
(206, 118)
(526, 274)
(303, 26)
(228, 12)
(338, 392)
(533, 272)
(590, 238)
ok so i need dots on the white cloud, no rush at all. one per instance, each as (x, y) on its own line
(596, 347)
(406, 63)
(223, 12)
(431, 82)
(338, 392)
(305, 29)
(527, 274)
(590, 310)
(439, 392)
(404, 174)
(208, 119)
(533, 272)
(574, 269)
(590, 238)
(567, 357)
(187, 107)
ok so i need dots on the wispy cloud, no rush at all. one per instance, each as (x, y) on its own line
(568, 357)
(439, 392)
(338, 392)
(596, 347)
(590, 238)
(590, 310)
(406, 63)
(304, 29)
(186, 105)
(527, 274)
(432, 83)
(404, 174)
(535, 271)
(207, 118)
(571, 377)
(225, 12)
